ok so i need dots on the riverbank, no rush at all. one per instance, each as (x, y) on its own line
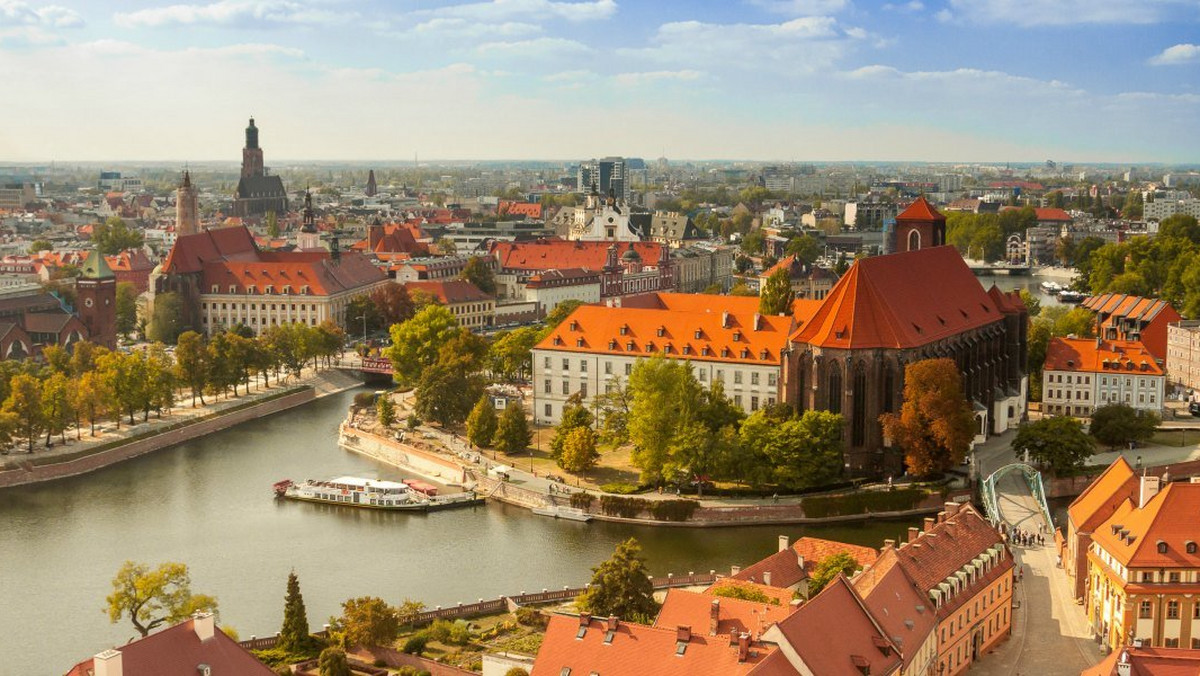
(113, 445)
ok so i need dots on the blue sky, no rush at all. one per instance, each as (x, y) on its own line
(778, 80)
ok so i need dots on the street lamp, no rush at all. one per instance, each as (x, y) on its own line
(364, 321)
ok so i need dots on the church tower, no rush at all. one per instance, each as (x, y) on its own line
(920, 226)
(97, 292)
(187, 212)
(252, 155)
(372, 189)
(309, 237)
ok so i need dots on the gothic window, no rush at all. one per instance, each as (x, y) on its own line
(858, 426)
(889, 388)
(833, 388)
(914, 240)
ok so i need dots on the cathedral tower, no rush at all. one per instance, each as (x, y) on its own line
(920, 226)
(252, 155)
(309, 237)
(97, 292)
(187, 212)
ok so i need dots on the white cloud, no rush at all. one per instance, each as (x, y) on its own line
(16, 13)
(455, 27)
(802, 7)
(537, 47)
(1178, 54)
(1061, 12)
(235, 13)
(503, 10)
(914, 6)
(657, 76)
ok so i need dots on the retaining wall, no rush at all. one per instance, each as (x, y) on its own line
(404, 455)
(164, 439)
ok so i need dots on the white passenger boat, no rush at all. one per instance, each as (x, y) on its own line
(559, 512)
(371, 494)
(1052, 288)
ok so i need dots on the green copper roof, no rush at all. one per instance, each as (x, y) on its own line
(95, 267)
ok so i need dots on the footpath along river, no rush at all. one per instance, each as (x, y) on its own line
(208, 503)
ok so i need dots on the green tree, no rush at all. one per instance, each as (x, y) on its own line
(511, 353)
(613, 406)
(1058, 442)
(733, 591)
(740, 289)
(332, 662)
(512, 431)
(828, 568)
(795, 452)
(620, 586)
(478, 272)
(558, 315)
(368, 621)
(126, 308)
(481, 423)
(578, 450)
(41, 245)
(805, 247)
(415, 343)
(664, 395)
(114, 236)
(1116, 425)
(446, 392)
(150, 598)
(776, 295)
(935, 425)
(166, 319)
(1064, 250)
(272, 224)
(753, 242)
(1032, 302)
(385, 408)
(446, 246)
(393, 303)
(1182, 226)
(294, 636)
(89, 398)
(24, 404)
(192, 364)
(574, 415)
(56, 406)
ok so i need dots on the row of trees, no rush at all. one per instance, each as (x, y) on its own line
(985, 235)
(1062, 444)
(1166, 266)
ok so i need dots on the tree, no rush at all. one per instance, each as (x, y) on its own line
(192, 365)
(1032, 302)
(385, 408)
(795, 452)
(41, 245)
(113, 236)
(511, 353)
(734, 591)
(574, 415)
(393, 302)
(935, 425)
(481, 423)
(620, 586)
(126, 308)
(166, 319)
(446, 246)
(272, 224)
(613, 406)
(294, 636)
(664, 395)
(512, 431)
(805, 247)
(415, 343)
(1119, 424)
(776, 295)
(828, 568)
(332, 662)
(516, 671)
(753, 242)
(24, 404)
(151, 598)
(558, 315)
(446, 392)
(369, 621)
(1058, 442)
(579, 450)
(56, 406)
(740, 289)
(1181, 226)
(478, 272)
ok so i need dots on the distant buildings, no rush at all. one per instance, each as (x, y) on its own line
(1133, 318)
(1160, 209)
(1082, 374)
(472, 308)
(16, 196)
(1183, 353)
(257, 192)
(607, 177)
(807, 281)
(117, 182)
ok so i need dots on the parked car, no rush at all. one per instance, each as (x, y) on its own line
(1194, 408)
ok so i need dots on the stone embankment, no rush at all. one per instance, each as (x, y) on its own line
(414, 456)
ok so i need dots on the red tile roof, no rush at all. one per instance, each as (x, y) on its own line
(637, 650)
(834, 635)
(920, 210)
(1169, 518)
(1105, 356)
(178, 650)
(1149, 661)
(687, 608)
(546, 254)
(784, 566)
(1100, 499)
(528, 209)
(952, 544)
(901, 300)
(1052, 214)
(692, 326)
(450, 292)
(191, 251)
(275, 272)
(906, 615)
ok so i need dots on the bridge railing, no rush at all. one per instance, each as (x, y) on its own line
(1033, 479)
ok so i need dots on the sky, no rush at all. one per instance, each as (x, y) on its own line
(770, 80)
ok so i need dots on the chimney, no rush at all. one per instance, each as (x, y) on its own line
(714, 614)
(784, 542)
(913, 533)
(613, 623)
(767, 578)
(734, 570)
(800, 561)
(1147, 489)
(888, 544)
(951, 509)
(725, 319)
(107, 663)
(743, 647)
(941, 517)
(683, 633)
(585, 619)
(929, 524)
(757, 321)
(374, 235)
(204, 626)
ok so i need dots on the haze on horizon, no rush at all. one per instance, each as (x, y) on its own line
(775, 80)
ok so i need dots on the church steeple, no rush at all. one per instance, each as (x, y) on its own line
(252, 155)
(252, 135)
(309, 238)
(187, 213)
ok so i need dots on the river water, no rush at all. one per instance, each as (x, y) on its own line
(208, 503)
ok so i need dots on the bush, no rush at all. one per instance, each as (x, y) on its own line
(673, 510)
(627, 508)
(413, 422)
(364, 399)
(531, 617)
(516, 671)
(379, 662)
(863, 502)
(449, 633)
(415, 645)
(411, 671)
(582, 500)
(734, 591)
(620, 488)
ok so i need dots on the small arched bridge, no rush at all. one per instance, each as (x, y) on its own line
(1015, 495)
(374, 368)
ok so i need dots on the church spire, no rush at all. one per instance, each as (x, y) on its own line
(309, 224)
(251, 135)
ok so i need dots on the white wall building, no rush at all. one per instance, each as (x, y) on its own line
(1082, 374)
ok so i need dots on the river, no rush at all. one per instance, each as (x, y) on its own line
(208, 503)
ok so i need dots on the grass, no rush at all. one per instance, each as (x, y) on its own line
(1177, 438)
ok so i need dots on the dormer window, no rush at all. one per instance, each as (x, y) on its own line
(232, 288)
(579, 342)
(216, 289)
(650, 346)
(687, 349)
(698, 334)
(629, 346)
(705, 351)
(724, 352)
(667, 348)
(662, 330)
(1190, 547)
(764, 355)
(557, 340)
(745, 354)
(574, 325)
(1162, 547)
(737, 335)
(612, 344)
(624, 329)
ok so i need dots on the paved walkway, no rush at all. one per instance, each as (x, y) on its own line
(1050, 634)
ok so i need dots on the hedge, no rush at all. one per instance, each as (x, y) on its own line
(616, 505)
(582, 500)
(661, 510)
(863, 502)
(674, 510)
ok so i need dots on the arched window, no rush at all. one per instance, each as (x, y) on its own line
(914, 240)
(889, 388)
(858, 416)
(833, 388)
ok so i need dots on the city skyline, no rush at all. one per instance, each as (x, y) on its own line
(768, 80)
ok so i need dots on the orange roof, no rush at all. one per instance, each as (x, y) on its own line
(1103, 356)
(636, 650)
(546, 254)
(1149, 661)
(1102, 497)
(692, 326)
(1052, 214)
(734, 616)
(784, 566)
(905, 614)
(1134, 536)
(450, 292)
(289, 272)
(834, 635)
(901, 300)
(920, 210)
